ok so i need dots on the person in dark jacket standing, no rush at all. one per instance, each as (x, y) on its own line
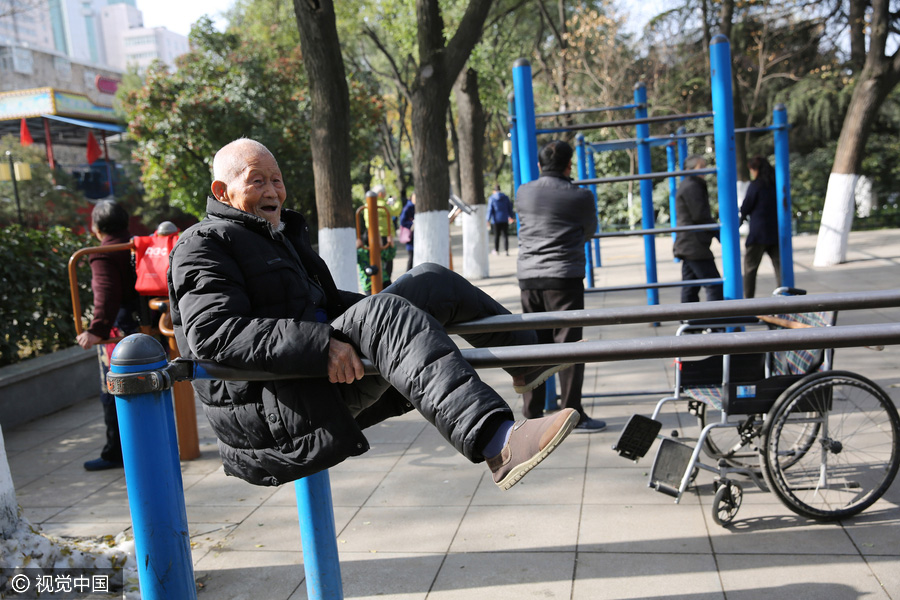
(115, 304)
(407, 218)
(500, 215)
(556, 218)
(692, 247)
(760, 205)
(248, 291)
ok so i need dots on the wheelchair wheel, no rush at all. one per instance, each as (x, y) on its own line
(831, 445)
(726, 443)
(726, 502)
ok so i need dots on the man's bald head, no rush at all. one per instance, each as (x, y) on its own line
(232, 158)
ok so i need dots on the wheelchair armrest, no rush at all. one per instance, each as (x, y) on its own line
(722, 321)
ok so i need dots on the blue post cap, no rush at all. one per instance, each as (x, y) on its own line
(579, 139)
(780, 106)
(521, 62)
(719, 39)
(639, 85)
(138, 349)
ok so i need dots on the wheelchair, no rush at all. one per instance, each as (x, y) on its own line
(824, 441)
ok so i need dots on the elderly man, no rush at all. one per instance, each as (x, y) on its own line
(248, 291)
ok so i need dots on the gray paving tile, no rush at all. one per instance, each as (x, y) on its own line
(238, 575)
(876, 531)
(505, 576)
(540, 487)
(401, 529)
(643, 529)
(646, 576)
(626, 486)
(385, 575)
(274, 528)
(777, 576)
(518, 527)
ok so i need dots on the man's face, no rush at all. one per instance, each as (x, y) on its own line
(258, 189)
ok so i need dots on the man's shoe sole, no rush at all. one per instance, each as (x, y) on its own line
(513, 477)
(544, 376)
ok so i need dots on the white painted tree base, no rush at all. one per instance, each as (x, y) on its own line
(475, 244)
(337, 247)
(432, 238)
(837, 218)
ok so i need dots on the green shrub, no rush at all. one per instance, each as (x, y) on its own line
(35, 302)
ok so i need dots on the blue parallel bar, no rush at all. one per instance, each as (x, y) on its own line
(648, 218)
(592, 173)
(581, 163)
(526, 136)
(682, 149)
(783, 189)
(723, 128)
(153, 476)
(673, 187)
(585, 111)
(514, 145)
(320, 553)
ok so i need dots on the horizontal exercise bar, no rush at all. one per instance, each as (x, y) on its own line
(681, 312)
(662, 140)
(655, 231)
(626, 122)
(586, 111)
(656, 286)
(640, 176)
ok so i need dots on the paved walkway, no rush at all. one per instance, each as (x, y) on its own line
(417, 521)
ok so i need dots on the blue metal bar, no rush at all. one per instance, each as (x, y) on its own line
(592, 174)
(514, 146)
(526, 138)
(317, 533)
(640, 108)
(153, 476)
(642, 176)
(648, 217)
(682, 150)
(673, 187)
(783, 189)
(723, 128)
(581, 165)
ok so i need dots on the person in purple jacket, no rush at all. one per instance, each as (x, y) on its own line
(500, 215)
(760, 206)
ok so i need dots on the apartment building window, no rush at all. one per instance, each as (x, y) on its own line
(142, 40)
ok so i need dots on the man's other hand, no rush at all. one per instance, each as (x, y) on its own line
(86, 339)
(344, 365)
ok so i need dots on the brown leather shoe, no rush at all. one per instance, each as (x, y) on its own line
(531, 377)
(530, 442)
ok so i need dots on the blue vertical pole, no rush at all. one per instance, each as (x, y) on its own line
(682, 149)
(514, 143)
(648, 218)
(783, 188)
(726, 166)
(320, 553)
(673, 187)
(581, 162)
(153, 475)
(525, 124)
(592, 174)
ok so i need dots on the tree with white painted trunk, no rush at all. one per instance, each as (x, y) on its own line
(879, 75)
(470, 125)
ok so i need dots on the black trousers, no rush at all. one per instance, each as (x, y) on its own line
(501, 228)
(401, 330)
(570, 380)
(700, 269)
(752, 258)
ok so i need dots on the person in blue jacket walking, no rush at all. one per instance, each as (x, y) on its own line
(500, 215)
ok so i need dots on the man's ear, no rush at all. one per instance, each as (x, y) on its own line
(218, 189)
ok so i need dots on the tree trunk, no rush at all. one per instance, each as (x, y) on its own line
(329, 137)
(470, 126)
(454, 166)
(879, 76)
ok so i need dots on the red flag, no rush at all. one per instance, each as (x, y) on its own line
(93, 148)
(25, 135)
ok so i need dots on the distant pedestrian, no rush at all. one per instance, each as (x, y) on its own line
(500, 215)
(761, 207)
(407, 215)
(692, 247)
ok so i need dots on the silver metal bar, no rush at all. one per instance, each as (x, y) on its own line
(637, 232)
(680, 312)
(640, 176)
(655, 286)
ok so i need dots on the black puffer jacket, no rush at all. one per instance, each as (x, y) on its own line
(692, 208)
(242, 296)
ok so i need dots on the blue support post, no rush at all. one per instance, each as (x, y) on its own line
(592, 174)
(726, 166)
(682, 148)
(673, 188)
(514, 144)
(581, 162)
(783, 188)
(153, 476)
(525, 123)
(320, 553)
(648, 218)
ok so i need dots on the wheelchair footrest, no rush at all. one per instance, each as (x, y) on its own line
(670, 465)
(637, 437)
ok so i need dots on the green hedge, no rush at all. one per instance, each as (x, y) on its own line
(35, 303)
